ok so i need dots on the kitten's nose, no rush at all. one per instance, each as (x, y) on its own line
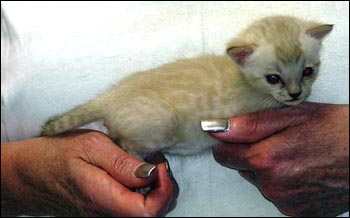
(294, 95)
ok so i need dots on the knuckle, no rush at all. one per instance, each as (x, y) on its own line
(258, 120)
(85, 140)
(93, 137)
(89, 140)
(120, 162)
(289, 210)
(254, 161)
(253, 122)
(260, 162)
(265, 156)
(72, 148)
(271, 193)
(276, 190)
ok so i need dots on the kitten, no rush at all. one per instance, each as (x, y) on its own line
(272, 63)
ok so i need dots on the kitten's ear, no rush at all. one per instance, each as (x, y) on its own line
(320, 31)
(239, 54)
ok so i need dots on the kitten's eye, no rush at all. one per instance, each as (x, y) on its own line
(273, 79)
(308, 71)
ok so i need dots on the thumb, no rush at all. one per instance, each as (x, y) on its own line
(101, 151)
(255, 126)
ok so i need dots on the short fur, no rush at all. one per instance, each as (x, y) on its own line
(161, 109)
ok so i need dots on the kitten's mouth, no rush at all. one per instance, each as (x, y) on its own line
(294, 101)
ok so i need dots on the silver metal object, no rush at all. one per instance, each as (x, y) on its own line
(215, 125)
(145, 170)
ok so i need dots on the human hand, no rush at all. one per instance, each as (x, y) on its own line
(80, 174)
(298, 157)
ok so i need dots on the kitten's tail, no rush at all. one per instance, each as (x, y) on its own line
(86, 113)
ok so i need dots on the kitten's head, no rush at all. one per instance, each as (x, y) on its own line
(280, 56)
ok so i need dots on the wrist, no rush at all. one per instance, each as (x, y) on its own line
(8, 179)
(29, 172)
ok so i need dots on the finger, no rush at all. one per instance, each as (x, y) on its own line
(175, 191)
(163, 194)
(172, 206)
(172, 179)
(232, 156)
(100, 151)
(157, 158)
(109, 197)
(250, 176)
(102, 193)
(253, 127)
(175, 187)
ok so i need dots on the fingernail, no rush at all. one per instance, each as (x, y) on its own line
(167, 166)
(145, 170)
(215, 125)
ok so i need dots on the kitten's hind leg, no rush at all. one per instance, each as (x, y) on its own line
(144, 128)
(123, 144)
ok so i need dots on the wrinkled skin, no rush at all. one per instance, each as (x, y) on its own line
(298, 157)
(79, 174)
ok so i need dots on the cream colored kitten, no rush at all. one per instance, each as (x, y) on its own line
(272, 63)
